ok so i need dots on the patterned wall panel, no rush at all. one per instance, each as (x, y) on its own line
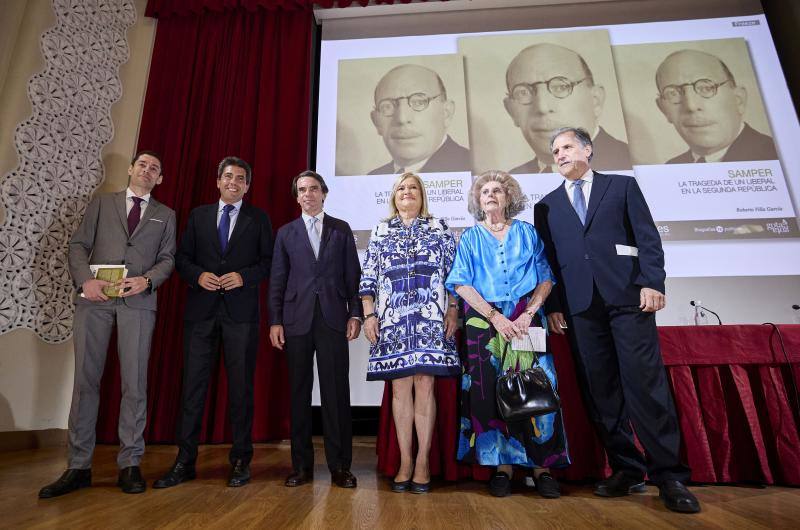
(58, 148)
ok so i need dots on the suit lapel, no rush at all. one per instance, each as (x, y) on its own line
(152, 207)
(242, 220)
(301, 236)
(119, 203)
(599, 188)
(210, 222)
(562, 202)
(327, 224)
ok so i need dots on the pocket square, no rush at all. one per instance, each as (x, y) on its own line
(157, 220)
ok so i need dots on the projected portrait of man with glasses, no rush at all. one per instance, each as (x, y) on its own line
(698, 95)
(549, 87)
(412, 115)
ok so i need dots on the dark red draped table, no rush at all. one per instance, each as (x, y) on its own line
(733, 392)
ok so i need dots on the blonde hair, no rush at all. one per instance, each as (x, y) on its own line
(516, 200)
(423, 211)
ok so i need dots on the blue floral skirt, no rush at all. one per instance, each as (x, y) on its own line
(484, 437)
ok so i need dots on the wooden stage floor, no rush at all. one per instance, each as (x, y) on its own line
(266, 503)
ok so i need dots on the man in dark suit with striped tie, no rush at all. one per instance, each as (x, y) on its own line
(224, 255)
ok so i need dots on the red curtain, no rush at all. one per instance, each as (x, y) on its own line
(163, 8)
(233, 82)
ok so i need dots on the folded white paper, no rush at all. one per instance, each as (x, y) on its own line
(534, 341)
(538, 339)
(625, 250)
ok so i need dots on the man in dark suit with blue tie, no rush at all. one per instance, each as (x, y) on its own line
(224, 255)
(603, 245)
(314, 306)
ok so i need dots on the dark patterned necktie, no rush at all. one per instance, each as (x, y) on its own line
(134, 215)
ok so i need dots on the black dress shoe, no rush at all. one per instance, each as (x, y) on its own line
(547, 486)
(240, 474)
(419, 488)
(343, 478)
(620, 484)
(179, 472)
(500, 484)
(298, 478)
(677, 497)
(131, 481)
(70, 480)
(400, 487)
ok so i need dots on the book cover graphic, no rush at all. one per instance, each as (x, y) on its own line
(111, 274)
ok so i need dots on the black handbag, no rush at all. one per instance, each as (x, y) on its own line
(523, 394)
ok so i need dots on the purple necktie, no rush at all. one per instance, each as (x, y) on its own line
(134, 215)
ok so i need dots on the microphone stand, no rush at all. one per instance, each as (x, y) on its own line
(697, 305)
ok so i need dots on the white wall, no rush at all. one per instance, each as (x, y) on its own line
(35, 377)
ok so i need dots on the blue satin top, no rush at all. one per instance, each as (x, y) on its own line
(500, 271)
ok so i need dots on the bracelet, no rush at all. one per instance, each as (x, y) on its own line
(492, 313)
(452, 304)
(373, 314)
(530, 312)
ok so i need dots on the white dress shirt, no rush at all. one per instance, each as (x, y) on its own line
(129, 195)
(586, 188)
(307, 221)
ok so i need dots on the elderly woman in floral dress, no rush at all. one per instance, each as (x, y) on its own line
(410, 320)
(503, 276)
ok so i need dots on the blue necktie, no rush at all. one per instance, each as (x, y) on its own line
(224, 226)
(578, 202)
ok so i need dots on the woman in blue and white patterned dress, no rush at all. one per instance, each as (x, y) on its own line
(410, 320)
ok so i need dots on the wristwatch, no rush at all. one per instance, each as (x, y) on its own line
(149, 284)
(373, 314)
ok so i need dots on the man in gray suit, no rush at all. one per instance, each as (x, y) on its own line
(132, 229)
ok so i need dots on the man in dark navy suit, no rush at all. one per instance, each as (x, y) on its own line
(604, 247)
(224, 255)
(314, 307)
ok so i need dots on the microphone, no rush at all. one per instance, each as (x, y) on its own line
(697, 304)
(796, 307)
